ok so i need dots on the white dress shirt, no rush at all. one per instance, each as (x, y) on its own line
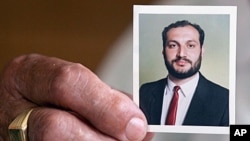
(186, 93)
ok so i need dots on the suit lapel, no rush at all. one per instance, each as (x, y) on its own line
(197, 108)
(156, 103)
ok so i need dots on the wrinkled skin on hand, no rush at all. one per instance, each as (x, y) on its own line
(71, 103)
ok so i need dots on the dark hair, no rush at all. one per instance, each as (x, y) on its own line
(182, 24)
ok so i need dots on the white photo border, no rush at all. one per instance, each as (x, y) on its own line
(167, 9)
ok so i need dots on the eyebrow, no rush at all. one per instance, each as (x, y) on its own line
(192, 41)
(172, 41)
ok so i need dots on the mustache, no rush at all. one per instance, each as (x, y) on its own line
(182, 58)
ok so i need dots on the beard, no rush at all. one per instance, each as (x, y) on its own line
(195, 67)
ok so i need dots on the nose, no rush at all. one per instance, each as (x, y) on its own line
(181, 51)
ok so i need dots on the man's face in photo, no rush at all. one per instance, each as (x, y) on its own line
(183, 52)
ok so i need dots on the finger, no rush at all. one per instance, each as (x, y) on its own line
(51, 81)
(56, 125)
(11, 105)
(149, 136)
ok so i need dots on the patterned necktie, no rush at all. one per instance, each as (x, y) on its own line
(171, 116)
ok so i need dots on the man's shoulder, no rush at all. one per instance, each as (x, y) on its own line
(152, 89)
(214, 85)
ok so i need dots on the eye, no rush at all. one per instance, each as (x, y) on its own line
(172, 45)
(191, 46)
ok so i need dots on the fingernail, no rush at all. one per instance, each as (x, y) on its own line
(136, 129)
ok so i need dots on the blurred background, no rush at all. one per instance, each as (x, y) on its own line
(78, 30)
(99, 35)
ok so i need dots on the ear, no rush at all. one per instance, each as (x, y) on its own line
(163, 53)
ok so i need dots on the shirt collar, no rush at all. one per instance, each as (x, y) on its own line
(186, 88)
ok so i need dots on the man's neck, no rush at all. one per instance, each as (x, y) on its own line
(179, 81)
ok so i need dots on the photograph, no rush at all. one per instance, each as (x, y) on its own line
(184, 67)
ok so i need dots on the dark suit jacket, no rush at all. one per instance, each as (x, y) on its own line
(209, 106)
